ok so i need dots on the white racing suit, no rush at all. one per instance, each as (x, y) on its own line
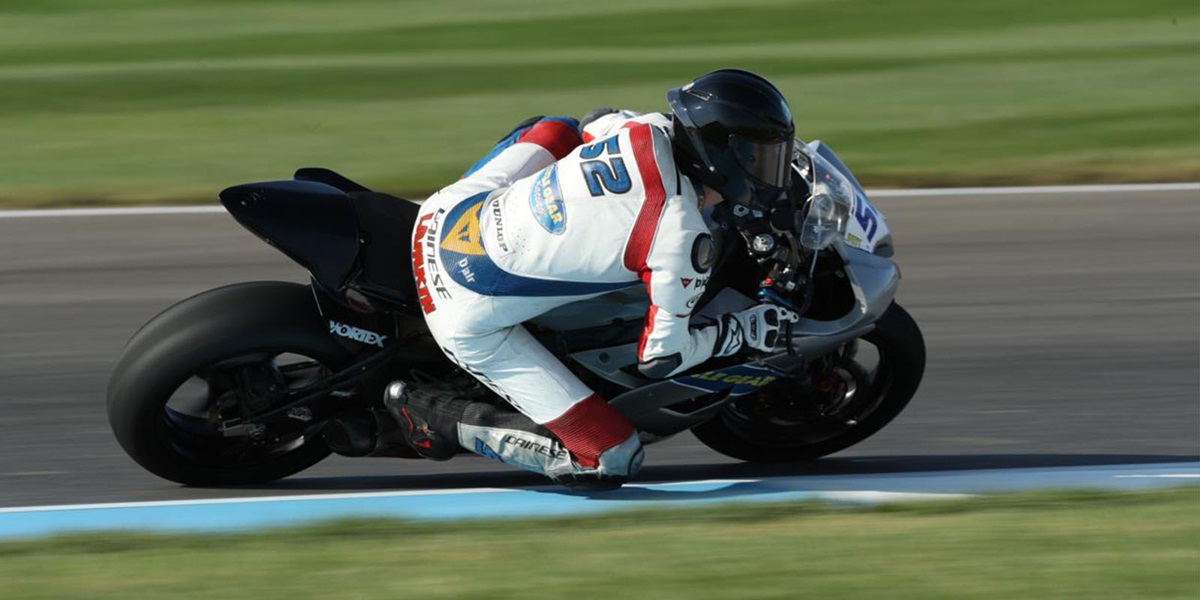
(541, 222)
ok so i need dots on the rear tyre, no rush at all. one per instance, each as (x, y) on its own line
(848, 401)
(182, 380)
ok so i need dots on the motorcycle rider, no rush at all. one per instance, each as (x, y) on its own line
(558, 212)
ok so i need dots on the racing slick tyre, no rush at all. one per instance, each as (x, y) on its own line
(852, 394)
(185, 378)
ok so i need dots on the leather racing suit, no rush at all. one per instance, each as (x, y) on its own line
(545, 220)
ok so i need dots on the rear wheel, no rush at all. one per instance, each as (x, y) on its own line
(184, 382)
(851, 394)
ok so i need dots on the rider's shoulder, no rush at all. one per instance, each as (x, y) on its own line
(657, 126)
(654, 139)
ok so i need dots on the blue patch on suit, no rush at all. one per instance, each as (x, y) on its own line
(486, 451)
(467, 262)
(546, 201)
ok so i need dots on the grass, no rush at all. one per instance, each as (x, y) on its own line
(1040, 545)
(170, 100)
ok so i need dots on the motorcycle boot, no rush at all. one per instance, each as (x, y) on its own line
(617, 466)
(600, 457)
(439, 423)
(429, 420)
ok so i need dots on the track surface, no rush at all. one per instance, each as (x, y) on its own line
(1063, 330)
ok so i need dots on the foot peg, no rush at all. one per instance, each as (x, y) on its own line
(366, 433)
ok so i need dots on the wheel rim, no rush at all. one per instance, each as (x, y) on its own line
(204, 418)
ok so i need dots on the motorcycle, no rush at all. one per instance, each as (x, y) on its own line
(254, 382)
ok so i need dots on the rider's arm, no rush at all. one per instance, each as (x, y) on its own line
(669, 344)
(676, 273)
(671, 250)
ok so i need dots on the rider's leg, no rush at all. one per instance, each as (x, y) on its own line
(560, 428)
(481, 334)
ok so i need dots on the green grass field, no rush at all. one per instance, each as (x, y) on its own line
(170, 100)
(1042, 546)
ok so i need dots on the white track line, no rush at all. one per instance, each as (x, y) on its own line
(1049, 189)
(110, 212)
(298, 497)
(994, 191)
(1162, 476)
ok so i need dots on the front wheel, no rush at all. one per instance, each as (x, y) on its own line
(187, 377)
(851, 394)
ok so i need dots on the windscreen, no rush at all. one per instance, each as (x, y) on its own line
(828, 180)
(829, 206)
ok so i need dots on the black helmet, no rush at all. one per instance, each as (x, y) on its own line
(733, 132)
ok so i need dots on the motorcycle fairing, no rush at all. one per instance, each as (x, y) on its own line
(348, 237)
(328, 177)
(340, 318)
(672, 405)
(385, 225)
(669, 406)
(738, 380)
(867, 229)
(312, 223)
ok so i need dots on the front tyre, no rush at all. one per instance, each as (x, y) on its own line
(183, 381)
(853, 393)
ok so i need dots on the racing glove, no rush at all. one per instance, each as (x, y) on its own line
(756, 327)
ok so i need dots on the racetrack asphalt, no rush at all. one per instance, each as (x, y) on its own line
(1063, 330)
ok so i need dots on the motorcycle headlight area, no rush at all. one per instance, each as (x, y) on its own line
(829, 208)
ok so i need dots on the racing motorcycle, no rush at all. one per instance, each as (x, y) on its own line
(253, 382)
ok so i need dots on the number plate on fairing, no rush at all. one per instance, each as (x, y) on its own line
(863, 229)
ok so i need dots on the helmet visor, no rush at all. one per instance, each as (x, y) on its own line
(767, 163)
